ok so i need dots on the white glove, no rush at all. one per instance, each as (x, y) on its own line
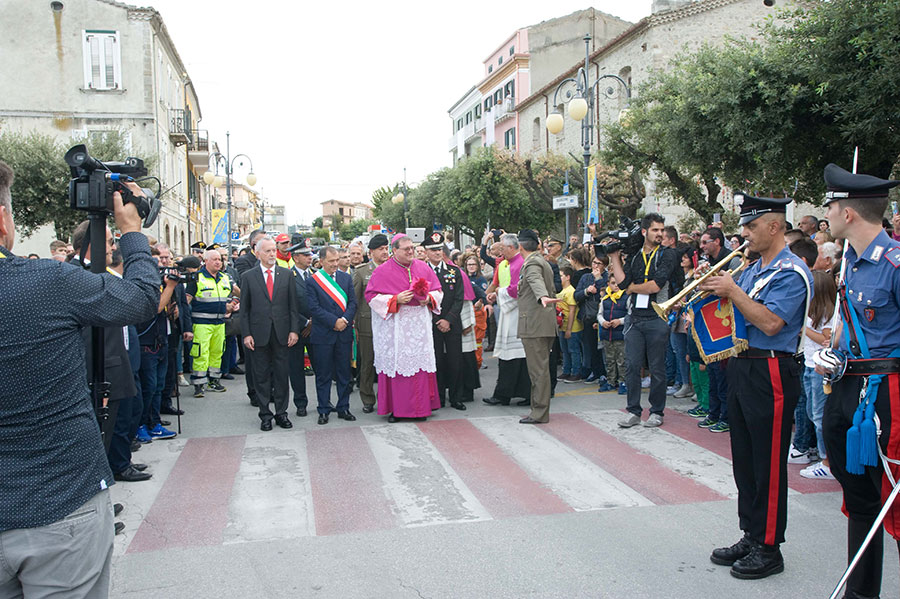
(828, 359)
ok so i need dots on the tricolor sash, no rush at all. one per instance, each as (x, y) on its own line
(330, 287)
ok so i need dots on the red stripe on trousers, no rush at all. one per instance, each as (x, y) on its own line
(892, 520)
(775, 454)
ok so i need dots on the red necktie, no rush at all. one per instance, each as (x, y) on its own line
(270, 284)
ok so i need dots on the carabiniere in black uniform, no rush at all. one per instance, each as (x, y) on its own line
(869, 302)
(763, 390)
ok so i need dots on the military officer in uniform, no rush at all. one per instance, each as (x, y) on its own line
(869, 341)
(301, 256)
(763, 384)
(365, 356)
(447, 326)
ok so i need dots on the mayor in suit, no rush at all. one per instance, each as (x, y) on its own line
(332, 304)
(270, 324)
(537, 323)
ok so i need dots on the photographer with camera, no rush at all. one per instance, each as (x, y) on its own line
(181, 328)
(644, 276)
(56, 517)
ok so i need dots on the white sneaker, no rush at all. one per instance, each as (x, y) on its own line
(182, 382)
(630, 421)
(645, 382)
(818, 470)
(795, 456)
(654, 421)
(672, 390)
(685, 392)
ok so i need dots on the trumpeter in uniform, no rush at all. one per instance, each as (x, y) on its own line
(763, 384)
(870, 387)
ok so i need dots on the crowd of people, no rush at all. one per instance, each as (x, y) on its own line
(409, 324)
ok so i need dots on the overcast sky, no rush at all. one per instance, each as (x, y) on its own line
(333, 100)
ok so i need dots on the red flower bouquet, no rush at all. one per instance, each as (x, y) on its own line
(420, 290)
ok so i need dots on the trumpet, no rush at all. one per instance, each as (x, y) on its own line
(667, 306)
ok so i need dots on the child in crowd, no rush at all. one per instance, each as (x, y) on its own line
(818, 335)
(570, 328)
(611, 320)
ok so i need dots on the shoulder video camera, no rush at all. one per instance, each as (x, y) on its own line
(93, 184)
(627, 239)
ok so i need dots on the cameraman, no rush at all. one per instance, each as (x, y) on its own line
(645, 278)
(56, 518)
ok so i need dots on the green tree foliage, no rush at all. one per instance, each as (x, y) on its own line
(356, 228)
(40, 191)
(317, 222)
(768, 117)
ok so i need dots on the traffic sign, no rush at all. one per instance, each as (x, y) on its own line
(235, 235)
(565, 202)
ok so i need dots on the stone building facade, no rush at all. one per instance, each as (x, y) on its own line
(675, 26)
(78, 67)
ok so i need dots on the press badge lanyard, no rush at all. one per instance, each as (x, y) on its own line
(648, 261)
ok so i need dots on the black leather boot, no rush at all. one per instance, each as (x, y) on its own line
(762, 561)
(865, 580)
(726, 556)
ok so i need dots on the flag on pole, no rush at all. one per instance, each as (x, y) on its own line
(220, 229)
(593, 204)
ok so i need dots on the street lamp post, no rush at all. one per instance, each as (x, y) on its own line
(580, 106)
(216, 179)
(401, 198)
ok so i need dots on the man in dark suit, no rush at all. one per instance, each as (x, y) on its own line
(447, 326)
(242, 265)
(332, 304)
(301, 254)
(365, 355)
(270, 324)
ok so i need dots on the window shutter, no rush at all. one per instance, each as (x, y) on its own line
(102, 60)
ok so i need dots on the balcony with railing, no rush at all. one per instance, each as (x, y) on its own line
(180, 126)
(198, 151)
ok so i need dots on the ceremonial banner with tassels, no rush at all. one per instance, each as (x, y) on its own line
(718, 328)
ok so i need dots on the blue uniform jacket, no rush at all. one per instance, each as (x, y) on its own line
(784, 295)
(873, 289)
(325, 311)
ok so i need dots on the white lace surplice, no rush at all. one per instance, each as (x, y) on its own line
(467, 316)
(403, 341)
(507, 345)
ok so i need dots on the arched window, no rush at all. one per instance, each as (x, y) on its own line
(168, 236)
(536, 133)
(183, 249)
(625, 74)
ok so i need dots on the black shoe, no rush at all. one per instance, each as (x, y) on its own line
(392, 419)
(166, 422)
(726, 556)
(120, 526)
(237, 370)
(135, 445)
(198, 390)
(254, 403)
(368, 409)
(130, 475)
(493, 401)
(171, 411)
(214, 385)
(227, 377)
(529, 420)
(458, 406)
(523, 402)
(139, 467)
(323, 418)
(265, 425)
(346, 416)
(762, 561)
(283, 421)
(117, 509)
(301, 412)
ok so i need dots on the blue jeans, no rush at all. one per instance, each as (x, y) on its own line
(815, 404)
(154, 364)
(718, 391)
(804, 433)
(678, 341)
(571, 352)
